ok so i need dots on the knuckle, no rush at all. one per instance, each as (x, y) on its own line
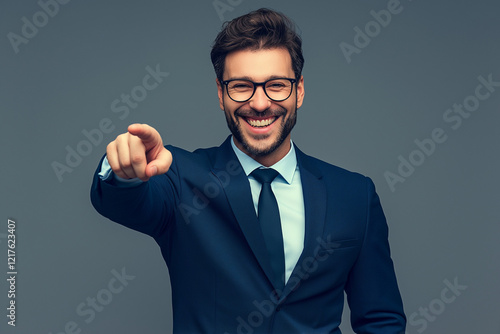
(137, 158)
(120, 174)
(125, 164)
(122, 137)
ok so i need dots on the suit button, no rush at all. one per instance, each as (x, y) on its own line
(278, 308)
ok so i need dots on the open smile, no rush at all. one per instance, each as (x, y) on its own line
(260, 123)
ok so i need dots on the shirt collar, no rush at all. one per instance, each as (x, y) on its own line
(286, 166)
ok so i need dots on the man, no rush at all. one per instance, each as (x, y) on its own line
(245, 254)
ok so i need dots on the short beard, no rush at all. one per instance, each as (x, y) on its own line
(284, 131)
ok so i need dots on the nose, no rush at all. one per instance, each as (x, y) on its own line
(259, 101)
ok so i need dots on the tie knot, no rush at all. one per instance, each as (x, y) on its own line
(264, 175)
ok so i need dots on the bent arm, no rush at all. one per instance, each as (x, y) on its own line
(372, 290)
(146, 207)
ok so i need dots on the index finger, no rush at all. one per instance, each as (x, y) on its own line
(148, 135)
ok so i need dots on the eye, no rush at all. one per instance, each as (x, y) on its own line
(277, 85)
(240, 85)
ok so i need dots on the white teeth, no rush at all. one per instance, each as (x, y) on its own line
(260, 123)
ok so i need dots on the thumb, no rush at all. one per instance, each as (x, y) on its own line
(161, 164)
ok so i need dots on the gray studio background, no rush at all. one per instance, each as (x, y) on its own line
(364, 110)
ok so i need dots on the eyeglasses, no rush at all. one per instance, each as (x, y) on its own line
(240, 90)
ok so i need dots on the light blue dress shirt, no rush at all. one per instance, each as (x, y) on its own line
(287, 188)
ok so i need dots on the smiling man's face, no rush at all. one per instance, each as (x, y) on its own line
(260, 126)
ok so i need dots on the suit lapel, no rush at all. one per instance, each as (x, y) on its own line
(314, 192)
(239, 196)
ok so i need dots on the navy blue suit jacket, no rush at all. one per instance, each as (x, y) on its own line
(202, 216)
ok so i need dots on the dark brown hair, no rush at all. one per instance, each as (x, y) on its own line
(260, 29)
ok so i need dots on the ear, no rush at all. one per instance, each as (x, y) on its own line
(220, 93)
(300, 92)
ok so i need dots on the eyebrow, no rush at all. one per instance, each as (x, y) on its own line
(250, 79)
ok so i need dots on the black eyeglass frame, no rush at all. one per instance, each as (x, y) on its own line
(257, 84)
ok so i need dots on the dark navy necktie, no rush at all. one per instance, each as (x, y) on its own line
(270, 223)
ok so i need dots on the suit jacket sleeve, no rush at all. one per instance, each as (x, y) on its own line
(372, 290)
(147, 208)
